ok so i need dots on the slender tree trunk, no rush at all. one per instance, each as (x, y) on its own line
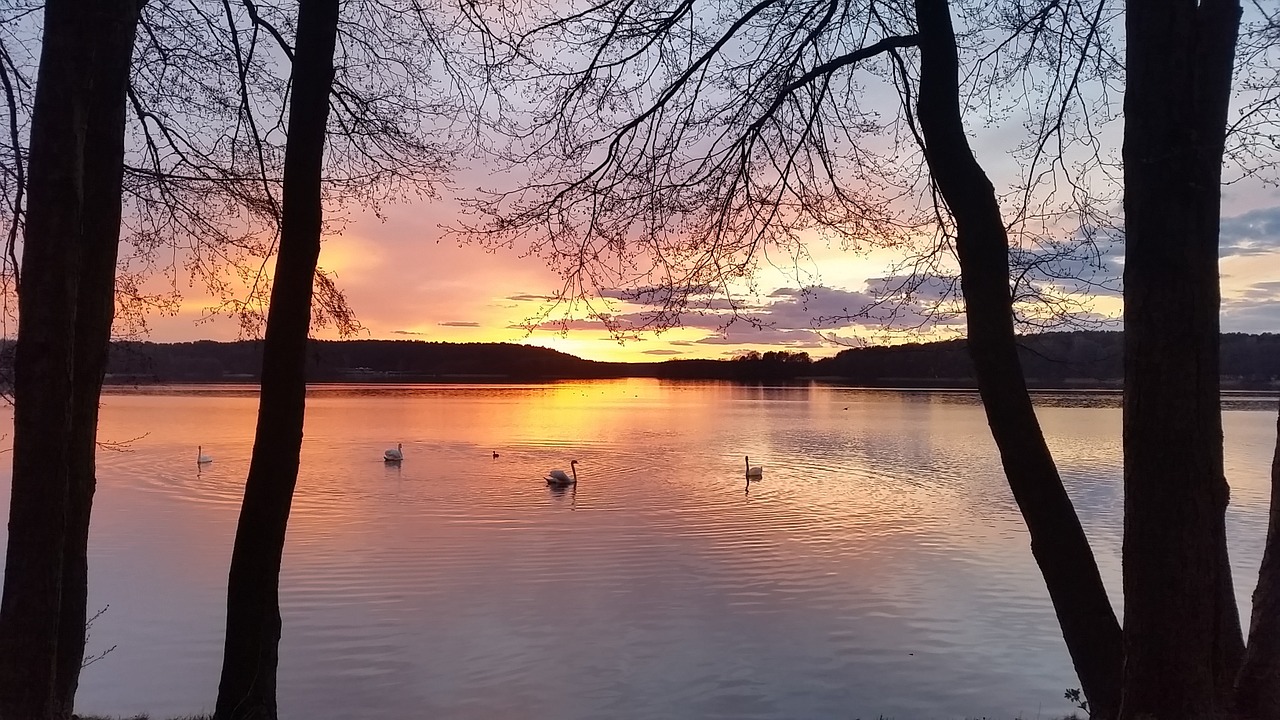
(1058, 542)
(251, 654)
(113, 31)
(1182, 631)
(1258, 686)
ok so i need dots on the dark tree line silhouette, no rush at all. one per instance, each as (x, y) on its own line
(1080, 359)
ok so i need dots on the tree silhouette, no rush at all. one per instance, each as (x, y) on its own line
(71, 228)
(190, 139)
(676, 149)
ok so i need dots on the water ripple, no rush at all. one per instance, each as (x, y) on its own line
(878, 567)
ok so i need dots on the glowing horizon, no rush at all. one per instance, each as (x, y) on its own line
(406, 281)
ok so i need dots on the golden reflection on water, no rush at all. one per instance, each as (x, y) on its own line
(878, 566)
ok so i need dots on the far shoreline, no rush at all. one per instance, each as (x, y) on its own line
(1229, 388)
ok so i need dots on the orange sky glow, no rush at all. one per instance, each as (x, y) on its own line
(406, 280)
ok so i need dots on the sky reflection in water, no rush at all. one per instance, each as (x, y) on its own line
(879, 567)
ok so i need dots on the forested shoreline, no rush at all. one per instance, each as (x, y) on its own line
(1067, 359)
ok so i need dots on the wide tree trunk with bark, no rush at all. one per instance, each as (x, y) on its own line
(1058, 542)
(66, 302)
(1182, 631)
(251, 652)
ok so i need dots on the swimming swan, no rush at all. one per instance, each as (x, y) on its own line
(395, 455)
(201, 458)
(560, 477)
(753, 472)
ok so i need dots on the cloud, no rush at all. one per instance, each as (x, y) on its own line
(406, 332)
(819, 307)
(789, 316)
(916, 287)
(816, 306)
(848, 341)
(1097, 285)
(562, 325)
(459, 324)
(1091, 263)
(656, 294)
(1255, 311)
(1253, 233)
(742, 335)
(623, 323)
(530, 298)
(1262, 291)
(692, 300)
(1250, 317)
(663, 352)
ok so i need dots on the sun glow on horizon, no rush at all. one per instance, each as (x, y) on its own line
(404, 283)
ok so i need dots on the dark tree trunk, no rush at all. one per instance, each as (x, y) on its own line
(251, 653)
(114, 30)
(76, 150)
(1058, 542)
(1182, 631)
(29, 610)
(1258, 686)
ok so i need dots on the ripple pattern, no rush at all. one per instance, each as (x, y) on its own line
(878, 567)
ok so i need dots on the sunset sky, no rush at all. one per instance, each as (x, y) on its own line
(405, 277)
(406, 280)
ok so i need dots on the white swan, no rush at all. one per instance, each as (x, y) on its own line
(560, 477)
(753, 472)
(201, 458)
(394, 455)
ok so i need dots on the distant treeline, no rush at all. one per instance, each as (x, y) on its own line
(1065, 359)
(351, 360)
(1083, 359)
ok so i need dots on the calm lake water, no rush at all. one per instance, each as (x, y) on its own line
(879, 567)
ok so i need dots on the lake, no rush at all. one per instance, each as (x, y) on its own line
(878, 567)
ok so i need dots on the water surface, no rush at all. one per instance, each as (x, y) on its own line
(879, 567)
